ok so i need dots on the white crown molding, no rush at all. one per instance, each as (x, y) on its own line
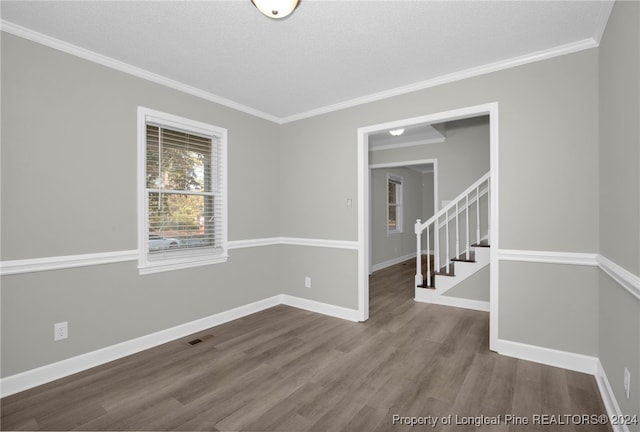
(75, 50)
(602, 20)
(574, 258)
(112, 63)
(628, 280)
(34, 377)
(445, 79)
(62, 262)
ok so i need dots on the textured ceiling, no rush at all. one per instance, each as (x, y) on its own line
(326, 54)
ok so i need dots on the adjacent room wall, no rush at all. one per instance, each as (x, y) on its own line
(619, 310)
(462, 158)
(387, 246)
(548, 132)
(69, 188)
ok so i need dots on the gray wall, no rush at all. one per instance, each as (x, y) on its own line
(562, 155)
(69, 187)
(548, 128)
(428, 186)
(462, 158)
(475, 287)
(385, 246)
(619, 329)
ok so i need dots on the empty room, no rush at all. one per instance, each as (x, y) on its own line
(315, 215)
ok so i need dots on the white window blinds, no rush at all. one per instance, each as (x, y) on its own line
(184, 194)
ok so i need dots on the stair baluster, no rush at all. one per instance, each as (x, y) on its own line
(467, 246)
(462, 203)
(428, 260)
(478, 214)
(457, 233)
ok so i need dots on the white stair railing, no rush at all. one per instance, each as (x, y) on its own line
(465, 205)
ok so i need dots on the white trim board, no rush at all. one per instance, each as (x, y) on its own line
(548, 356)
(625, 278)
(571, 361)
(103, 60)
(445, 79)
(622, 276)
(364, 224)
(64, 262)
(31, 265)
(42, 375)
(393, 261)
(319, 307)
(574, 258)
(118, 65)
(32, 378)
(609, 398)
(425, 295)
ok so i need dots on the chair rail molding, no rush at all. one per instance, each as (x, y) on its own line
(30, 265)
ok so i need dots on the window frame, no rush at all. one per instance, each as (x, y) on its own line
(180, 258)
(397, 181)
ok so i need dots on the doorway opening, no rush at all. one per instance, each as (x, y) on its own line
(370, 135)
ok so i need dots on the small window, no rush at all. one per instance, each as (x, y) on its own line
(182, 176)
(394, 204)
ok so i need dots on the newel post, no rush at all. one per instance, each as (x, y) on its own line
(418, 231)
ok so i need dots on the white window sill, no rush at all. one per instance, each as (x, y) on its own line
(169, 265)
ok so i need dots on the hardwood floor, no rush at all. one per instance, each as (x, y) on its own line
(285, 369)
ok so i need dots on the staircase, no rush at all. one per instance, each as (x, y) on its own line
(456, 239)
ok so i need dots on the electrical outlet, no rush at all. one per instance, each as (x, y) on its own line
(627, 382)
(60, 331)
(307, 282)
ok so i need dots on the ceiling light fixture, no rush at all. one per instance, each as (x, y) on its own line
(276, 8)
(397, 132)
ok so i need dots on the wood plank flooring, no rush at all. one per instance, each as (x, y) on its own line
(285, 369)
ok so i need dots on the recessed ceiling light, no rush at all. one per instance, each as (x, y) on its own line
(397, 132)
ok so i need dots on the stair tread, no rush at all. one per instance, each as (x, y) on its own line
(466, 258)
(483, 243)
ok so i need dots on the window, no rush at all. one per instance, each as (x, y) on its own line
(182, 192)
(394, 204)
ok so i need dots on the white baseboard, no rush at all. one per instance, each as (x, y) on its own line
(35, 377)
(562, 359)
(608, 398)
(425, 295)
(392, 262)
(321, 308)
(572, 361)
(42, 375)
